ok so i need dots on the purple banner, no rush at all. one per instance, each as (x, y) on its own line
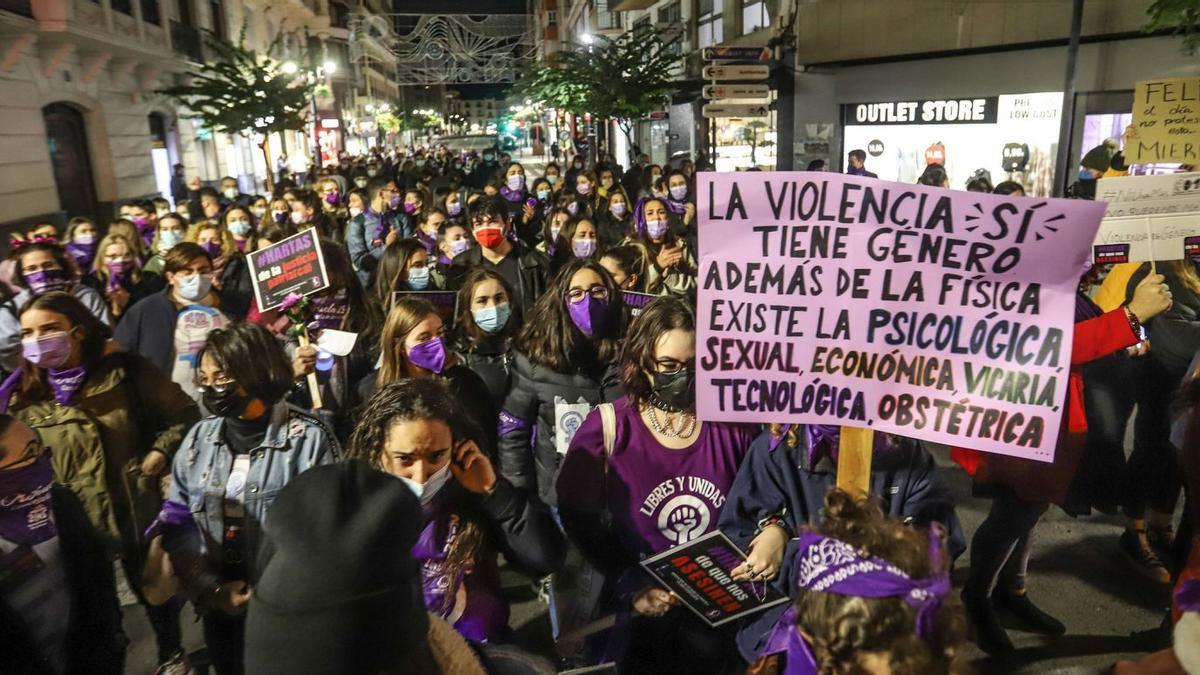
(935, 314)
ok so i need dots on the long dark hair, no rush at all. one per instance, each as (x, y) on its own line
(551, 340)
(413, 400)
(637, 354)
(95, 335)
(365, 317)
(470, 336)
(250, 355)
(66, 262)
(386, 278)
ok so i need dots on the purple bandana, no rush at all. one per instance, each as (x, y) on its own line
(82, 254)
(829, 565)
(66, 383)
(45, 281)
(25, 516)
(430, 242)
(1187, 596)
(675, 207)
(822, 437)
(513, 196)
(173, 517)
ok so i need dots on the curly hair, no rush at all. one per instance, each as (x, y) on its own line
(421, 400)
(842, 628)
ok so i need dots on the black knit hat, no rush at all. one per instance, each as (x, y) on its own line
(340, 592)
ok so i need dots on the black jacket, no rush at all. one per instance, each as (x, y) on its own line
(492, 362)
(95, 643)
(1174, 334)
(530, 402)
(535, 273)
(237, 292)
(148, 328)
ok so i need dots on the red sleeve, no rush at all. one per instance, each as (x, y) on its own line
(1101, 336)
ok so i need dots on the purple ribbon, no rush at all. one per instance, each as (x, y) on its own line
(171, 518)
(1187, 596)
(830, 565)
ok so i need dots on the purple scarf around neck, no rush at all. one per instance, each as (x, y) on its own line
(66, 383)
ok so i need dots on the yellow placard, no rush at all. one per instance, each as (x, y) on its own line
(1166, 122)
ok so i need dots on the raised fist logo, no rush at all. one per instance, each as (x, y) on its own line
(683, 519)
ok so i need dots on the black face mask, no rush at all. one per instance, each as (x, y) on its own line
(676, 391)
(230, 403)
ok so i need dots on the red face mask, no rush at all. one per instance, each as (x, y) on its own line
(490, 236)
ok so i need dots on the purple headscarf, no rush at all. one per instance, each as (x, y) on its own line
(830, 565)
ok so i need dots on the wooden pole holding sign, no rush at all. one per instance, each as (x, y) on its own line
(314, 387)
(854, 460)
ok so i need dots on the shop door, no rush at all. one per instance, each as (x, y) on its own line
(67, 138)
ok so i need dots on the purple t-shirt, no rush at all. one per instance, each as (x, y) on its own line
(658, 497)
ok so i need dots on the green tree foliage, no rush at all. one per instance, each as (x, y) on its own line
(623, 78)
(240, 92)
(1181, 17)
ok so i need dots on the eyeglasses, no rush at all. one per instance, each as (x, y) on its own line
(597, 292)
(672, 367)
(219, 387)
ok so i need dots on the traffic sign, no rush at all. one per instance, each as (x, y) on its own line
(754, 72)
(712, 110)
(736, 54)
(726, 91)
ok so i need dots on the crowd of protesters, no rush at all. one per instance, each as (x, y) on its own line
(155, 416)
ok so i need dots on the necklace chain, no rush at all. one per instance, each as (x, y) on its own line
(666, 428)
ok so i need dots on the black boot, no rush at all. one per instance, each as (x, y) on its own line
(989, 634)
(1028, 613)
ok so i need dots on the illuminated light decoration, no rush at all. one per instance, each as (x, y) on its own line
(447, 49)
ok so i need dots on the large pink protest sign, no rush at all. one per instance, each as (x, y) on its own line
(935, 314)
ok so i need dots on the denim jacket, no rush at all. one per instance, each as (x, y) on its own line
(294, 442)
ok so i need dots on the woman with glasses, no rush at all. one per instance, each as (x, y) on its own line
(113, 422)
(42, 266)
(414, 345)
(564, 364)
(526, 270)
(227, 473)
(667, 476)
(417, 430)
(168, 328)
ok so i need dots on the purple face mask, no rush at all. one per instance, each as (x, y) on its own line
(657, 229)
(45, 281)
(588, 314)
(583, 188)
(25, 515)
(212, 248)
(141, 222)
(118, 268)
(454, 209)
(410, 208)
(332, 198)
(430, 355)
(583, 248)
(48, 351)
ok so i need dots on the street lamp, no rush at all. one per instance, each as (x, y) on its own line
(586, 38)
(330, 66)
(289, 67)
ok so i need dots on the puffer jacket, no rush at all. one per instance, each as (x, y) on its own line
(127, 409)
(528, 456)
(295, 441)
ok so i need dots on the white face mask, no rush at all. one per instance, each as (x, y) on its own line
(230, 193)
(428, 490)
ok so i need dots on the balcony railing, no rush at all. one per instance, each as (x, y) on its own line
(187, 41)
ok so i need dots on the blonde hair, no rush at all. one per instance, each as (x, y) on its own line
(100, 269)
(129, 231)
(1185, 271)
(228, 245)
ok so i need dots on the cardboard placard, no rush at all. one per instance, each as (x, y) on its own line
(1166, 121)
(636, 302)
(444, 302)
(1148, 218)
(293, 265)
(698, 573)
(941, 315)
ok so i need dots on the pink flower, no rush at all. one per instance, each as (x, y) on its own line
(290, 301)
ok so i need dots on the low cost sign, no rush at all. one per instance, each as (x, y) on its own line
(935, 314)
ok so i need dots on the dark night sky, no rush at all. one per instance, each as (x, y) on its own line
(460, 6)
